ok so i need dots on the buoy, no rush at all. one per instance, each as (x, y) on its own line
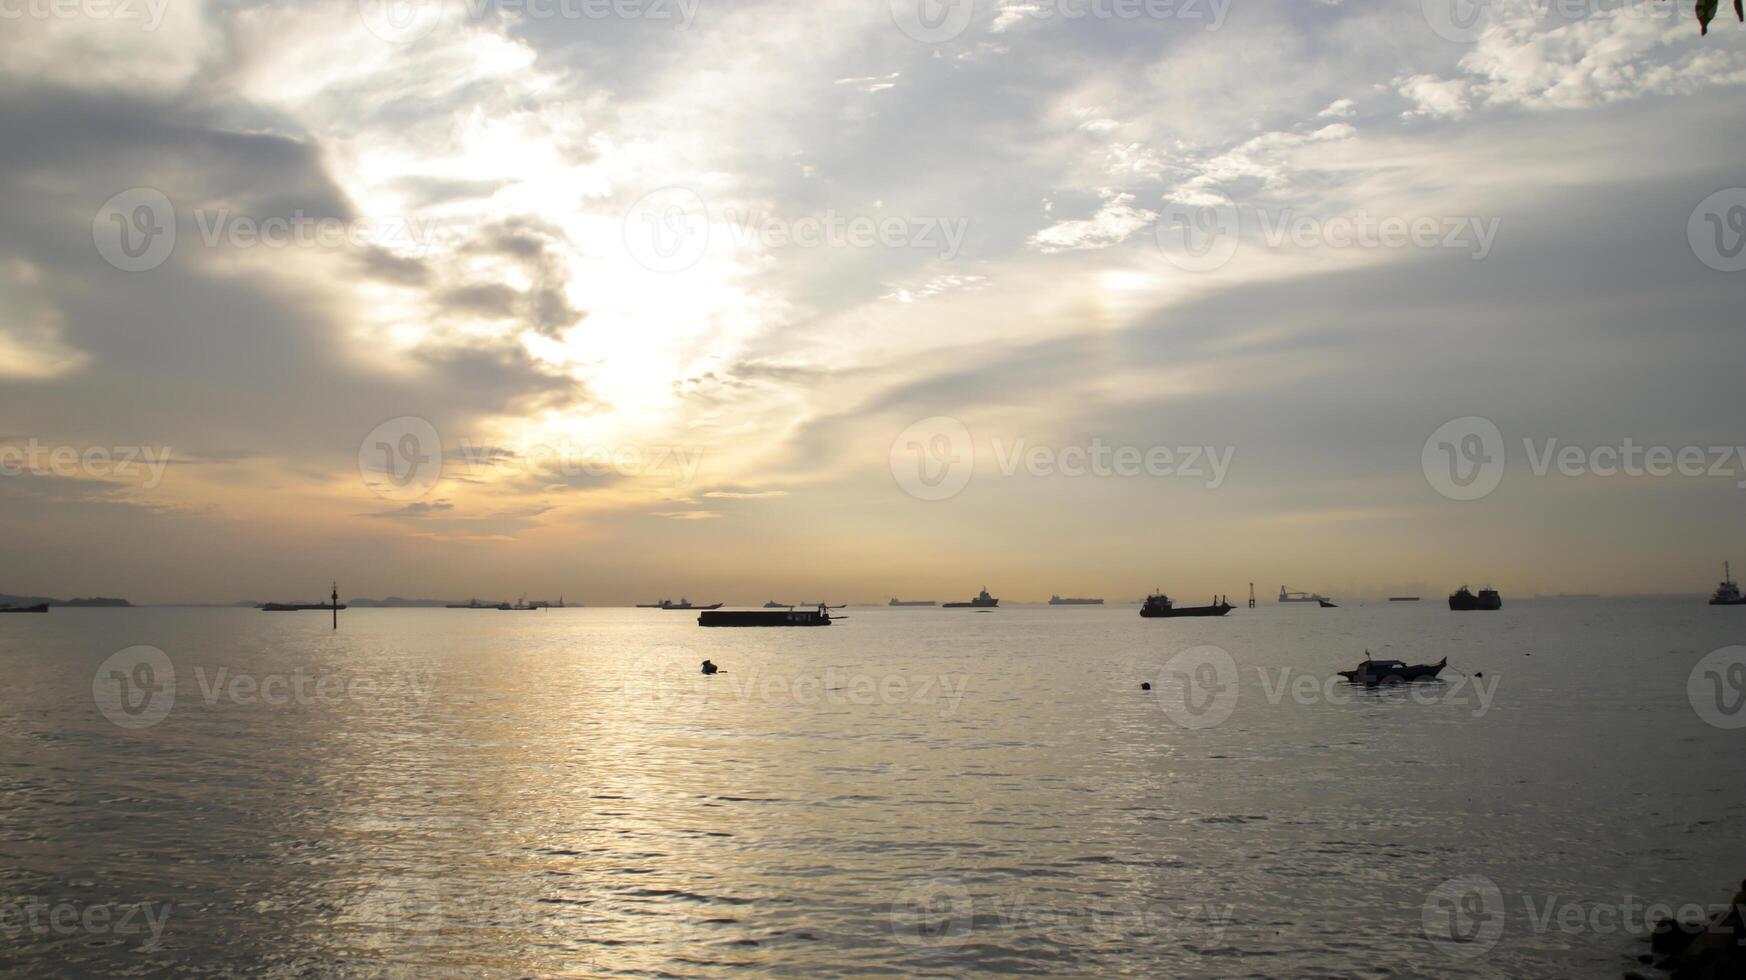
(1145, 686)
(1479, 673)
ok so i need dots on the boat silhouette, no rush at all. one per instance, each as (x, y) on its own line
(1373, 672)
(1160, 606)
(1727, 593)
(765, 617)
(670, 604)
(982, 601)
(1463, 600)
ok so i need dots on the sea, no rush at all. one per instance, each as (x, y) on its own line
(914, 792)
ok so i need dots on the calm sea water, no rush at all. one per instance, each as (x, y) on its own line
(926, 791)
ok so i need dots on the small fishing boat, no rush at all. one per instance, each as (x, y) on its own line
(41, 607)
(1326, 604)
(1160, 606)
(1374, 672)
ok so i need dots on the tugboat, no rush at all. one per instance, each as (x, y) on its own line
(1160, 606)
(1056, 600)
(982, 601)
(1373, 672)
(1465, 601)
(1727, 593)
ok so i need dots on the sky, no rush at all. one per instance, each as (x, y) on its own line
(630, 299)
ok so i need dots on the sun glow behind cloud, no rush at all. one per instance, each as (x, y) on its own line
(500, 158)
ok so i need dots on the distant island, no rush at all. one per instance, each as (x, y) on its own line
(391, 602)
(37, 600)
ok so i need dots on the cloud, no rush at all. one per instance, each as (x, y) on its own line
(745, 494)
(1447, 98)
(512, 314)
(1113, 223)
(872, 84)
(32, 342)
(417, 510)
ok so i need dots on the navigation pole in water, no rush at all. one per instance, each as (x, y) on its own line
(335, 598)
(1251, 595)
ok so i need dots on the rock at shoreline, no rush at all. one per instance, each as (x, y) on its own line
(1706, 950)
